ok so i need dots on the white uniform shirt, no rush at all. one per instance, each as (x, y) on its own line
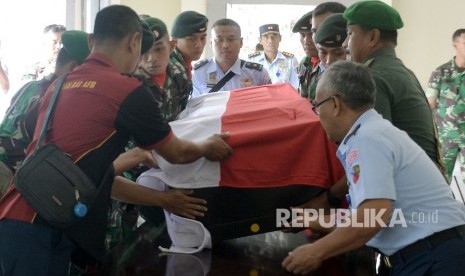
(282, 69)
(382, 162)
(207, 73)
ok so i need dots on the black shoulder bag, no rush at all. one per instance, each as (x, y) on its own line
(51, 182)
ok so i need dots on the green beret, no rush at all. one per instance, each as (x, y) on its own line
(304, 23)
(188, 23)
(157, 26)
(373, 15)
(147, 38)
(332, 31)
(75, 43)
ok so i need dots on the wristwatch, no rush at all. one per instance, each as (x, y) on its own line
(333, 201)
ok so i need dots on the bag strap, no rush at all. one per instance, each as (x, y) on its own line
(50, 109)
(224, 80)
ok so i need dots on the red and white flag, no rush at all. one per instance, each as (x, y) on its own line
(276, 137)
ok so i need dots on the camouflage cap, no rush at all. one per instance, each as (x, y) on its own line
(269, 28)
(75, 43)
(188, 23)
(373, 15)
(157, 26)
(147, 38)
(304, 23)
(332, 31)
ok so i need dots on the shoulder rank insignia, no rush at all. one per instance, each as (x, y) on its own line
(253, 65)
(257, 53)
(200, 64)
(369, 62)
(288, 55)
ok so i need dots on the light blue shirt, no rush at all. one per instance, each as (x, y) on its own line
(382, 162)
(282, 69)
(209, 74)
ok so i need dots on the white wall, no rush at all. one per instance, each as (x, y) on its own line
(425, 41)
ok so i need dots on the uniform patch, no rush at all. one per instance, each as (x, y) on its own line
(351, 157)
(255, 54)
(212, 80)
(253, 65)
(355, 173)
(246, 82)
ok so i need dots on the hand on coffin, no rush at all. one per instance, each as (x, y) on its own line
(182, 203)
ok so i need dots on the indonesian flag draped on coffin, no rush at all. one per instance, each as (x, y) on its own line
(276, 137)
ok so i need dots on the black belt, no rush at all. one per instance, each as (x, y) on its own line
(423, 245)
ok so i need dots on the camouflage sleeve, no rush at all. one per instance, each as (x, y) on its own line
(432, 91)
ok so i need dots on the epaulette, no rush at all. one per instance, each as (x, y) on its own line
(369, 62)
(200, 64)
(288, 55)
(257, 53)
(253, 65)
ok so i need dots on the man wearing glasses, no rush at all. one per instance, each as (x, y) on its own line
(226, 71)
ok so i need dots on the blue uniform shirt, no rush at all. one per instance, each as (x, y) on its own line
(382, 162)
(282, 69)
(208, 73)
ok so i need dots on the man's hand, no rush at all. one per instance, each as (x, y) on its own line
(303, 260)
(182, 203)
(217, 149)
(133, 157)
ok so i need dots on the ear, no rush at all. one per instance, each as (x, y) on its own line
(90, 41)
(374, 37)
(241, 42)
(338, 107)
(134, 43)
(172, 44)
(71, 65)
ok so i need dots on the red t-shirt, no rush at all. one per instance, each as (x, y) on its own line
(98, 110)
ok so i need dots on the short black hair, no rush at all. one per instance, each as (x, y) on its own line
(333, 7)
(226, 22)
(116, 22)
(457, 33)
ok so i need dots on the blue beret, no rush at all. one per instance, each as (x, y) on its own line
(188, 23)
(373, 15)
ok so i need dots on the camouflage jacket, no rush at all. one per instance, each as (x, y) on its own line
(308, 78)
(447, 86)
(17, 127)
(177, 59)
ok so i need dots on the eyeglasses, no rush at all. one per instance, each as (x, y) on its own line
(316, 106)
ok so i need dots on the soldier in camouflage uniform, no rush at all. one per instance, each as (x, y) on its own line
(189, 33)
(17, 127)
(308, 63)
(446, 96)
(171, 85)
(167, 74)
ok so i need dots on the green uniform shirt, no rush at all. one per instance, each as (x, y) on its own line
(401, 100)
